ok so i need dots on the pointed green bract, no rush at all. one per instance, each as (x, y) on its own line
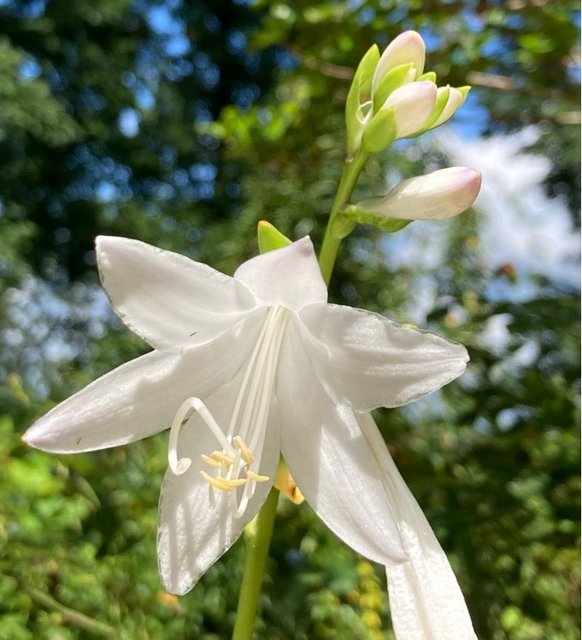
(270, 237)
(464, 91)
(431, 76)
(360, 91)
(439, 106)
(380, 131)
(365, 72)
(355, 215)
(392, 80)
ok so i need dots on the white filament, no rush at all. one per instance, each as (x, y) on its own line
(239, 462)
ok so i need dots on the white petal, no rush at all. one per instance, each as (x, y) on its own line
(165, 297)
(140, 398)
(413, 104)
(191, 534)
(330, 461)
(289, 276)
(426, 602)
(368, 361)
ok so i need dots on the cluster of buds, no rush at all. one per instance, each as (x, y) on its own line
(391, 97)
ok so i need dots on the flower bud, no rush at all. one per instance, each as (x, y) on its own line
(447, 103)
(454, 101)
(407, 47)
(436, 196)
(413, 104)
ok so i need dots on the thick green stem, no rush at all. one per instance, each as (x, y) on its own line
(331, 240)
(257, 539)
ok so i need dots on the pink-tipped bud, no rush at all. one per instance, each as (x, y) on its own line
(407, 47)
(437, 196)
(454, 101)
(413, 104)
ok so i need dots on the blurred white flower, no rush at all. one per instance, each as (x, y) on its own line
(496, 337)
(519, 225)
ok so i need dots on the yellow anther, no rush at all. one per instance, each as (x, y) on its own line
(255, 476)
(224, 484)
(222, 457)
(245, 452)
(211, 461)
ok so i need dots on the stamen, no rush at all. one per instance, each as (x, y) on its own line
(223, 484)
(222, 458)
(255, 476)
(211, 461)
(245, 452)
(242, 446)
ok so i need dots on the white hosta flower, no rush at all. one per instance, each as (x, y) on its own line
(436, 196)
(244, 369)
(426, 602)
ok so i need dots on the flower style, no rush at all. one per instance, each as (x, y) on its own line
(244, 369)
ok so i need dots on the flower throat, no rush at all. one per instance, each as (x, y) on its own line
(234, 468)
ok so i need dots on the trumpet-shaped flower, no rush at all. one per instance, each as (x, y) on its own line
(243, 369)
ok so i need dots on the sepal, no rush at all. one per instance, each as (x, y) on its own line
(395, 78)
(360, 92)
(380, 131)
(354, 214)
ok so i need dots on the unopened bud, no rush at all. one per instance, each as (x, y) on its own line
(407, 47)
(447, 103)
(436, 196)
(413, 104)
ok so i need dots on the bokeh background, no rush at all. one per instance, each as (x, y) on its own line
(182, 123)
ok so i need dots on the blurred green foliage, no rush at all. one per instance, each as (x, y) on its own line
(183, 123)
